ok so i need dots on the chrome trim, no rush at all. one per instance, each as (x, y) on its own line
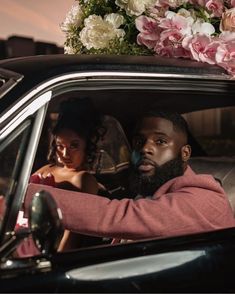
(13, 79)
(26, 167)
(27, 111)
(134, 267)
(97, 75)
(13, 135)
(31, 151)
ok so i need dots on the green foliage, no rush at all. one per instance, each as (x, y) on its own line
(130, 28)
(125, 46)
(98, 7)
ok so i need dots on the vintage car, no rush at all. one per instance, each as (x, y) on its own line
(122, 88)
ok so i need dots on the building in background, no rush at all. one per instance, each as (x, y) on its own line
(16, 46)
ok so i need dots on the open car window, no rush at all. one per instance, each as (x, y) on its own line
(112, 160)
(214, 129)
(11, 155)
(113, 148)
(214, 132)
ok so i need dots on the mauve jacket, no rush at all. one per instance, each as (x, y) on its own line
(187, 204)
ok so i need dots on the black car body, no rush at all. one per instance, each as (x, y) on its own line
(121, 88)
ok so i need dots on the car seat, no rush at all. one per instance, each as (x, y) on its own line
(222, 169)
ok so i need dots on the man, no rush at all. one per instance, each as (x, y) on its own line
(170, 198)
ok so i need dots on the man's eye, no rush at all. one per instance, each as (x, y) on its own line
(161, 141)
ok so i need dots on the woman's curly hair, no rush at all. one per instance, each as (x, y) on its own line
(80, 116)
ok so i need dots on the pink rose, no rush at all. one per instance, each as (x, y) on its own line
(227, 36)
(198, 2)
(225, 56)
(158, 11)
(230, 3)
(201, 48)
(171, 51)
(177, 22)
(149, 31)
(167, 3)
(170, 45)
(208, 55)
(216, 7)
(227, 22)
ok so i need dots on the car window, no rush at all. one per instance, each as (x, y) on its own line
(11, 155)
(113, 148)
(214, 129)
(114, 152)
(111, 163)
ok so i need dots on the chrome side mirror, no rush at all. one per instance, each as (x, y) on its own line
(45, 222)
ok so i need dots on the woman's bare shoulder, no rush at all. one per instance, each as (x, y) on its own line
(85, 181)
(83, 175)
(45, 169)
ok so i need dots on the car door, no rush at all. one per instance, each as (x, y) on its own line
(18, 142)
(204, 262)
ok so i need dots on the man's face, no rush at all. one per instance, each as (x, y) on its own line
(157, 155)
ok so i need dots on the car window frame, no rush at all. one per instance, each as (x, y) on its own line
(35, 113)
(91, 81)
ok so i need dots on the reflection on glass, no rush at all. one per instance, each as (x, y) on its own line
(11, 155)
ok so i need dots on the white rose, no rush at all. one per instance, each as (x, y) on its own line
(135, 7)
(184, 12)
(98, 32)
(73, 17)
(116, 19)
(68, 50)
(170, 14)
(184, 23)
(176, 3)
(201, 27)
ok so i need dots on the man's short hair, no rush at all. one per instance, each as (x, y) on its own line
(177, 120)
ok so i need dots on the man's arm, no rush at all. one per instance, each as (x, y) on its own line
(172, 214)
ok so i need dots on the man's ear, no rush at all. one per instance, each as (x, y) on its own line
(185, 152)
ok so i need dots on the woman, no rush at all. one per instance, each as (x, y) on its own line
(71, 155)
(69, 158)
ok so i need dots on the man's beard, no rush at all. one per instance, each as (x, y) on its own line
(145, 185)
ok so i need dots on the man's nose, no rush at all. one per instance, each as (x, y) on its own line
(147, 147)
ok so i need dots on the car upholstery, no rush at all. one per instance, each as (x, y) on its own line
(222, 169)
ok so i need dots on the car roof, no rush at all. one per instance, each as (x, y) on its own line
(175, 75)
(66, 63)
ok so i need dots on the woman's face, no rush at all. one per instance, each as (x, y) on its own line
(70, 149)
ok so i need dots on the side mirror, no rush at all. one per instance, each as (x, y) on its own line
(45, 222)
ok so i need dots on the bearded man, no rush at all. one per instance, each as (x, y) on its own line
(160, 152)
(170, 199)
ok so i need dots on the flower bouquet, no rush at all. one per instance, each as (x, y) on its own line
(201, 30)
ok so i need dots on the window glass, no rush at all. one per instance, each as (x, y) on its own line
(113, 148)
(11, 155)
(214, 129)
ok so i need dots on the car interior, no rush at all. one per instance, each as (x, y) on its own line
(211, 136)
(211, 123)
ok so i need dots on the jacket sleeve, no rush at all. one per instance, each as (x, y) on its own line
(172, 214)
